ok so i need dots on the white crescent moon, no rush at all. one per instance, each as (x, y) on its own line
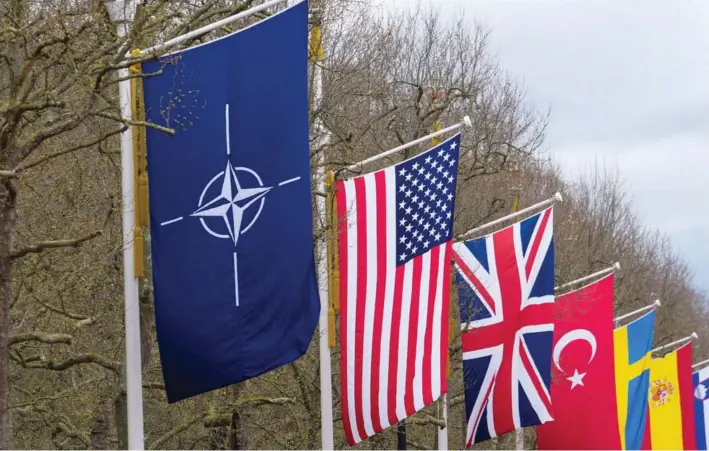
(576, 334)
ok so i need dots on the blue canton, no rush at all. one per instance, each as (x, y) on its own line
(425, 196)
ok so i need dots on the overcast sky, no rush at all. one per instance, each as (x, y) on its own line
(628, 85)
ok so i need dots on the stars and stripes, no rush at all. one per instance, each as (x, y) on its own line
(506, 292)
(395, 234)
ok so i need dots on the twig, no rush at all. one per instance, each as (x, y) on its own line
(80, 359)
(222, 420)
(127, 121)
(100, 139)
(41, 337)
(157, 444)
(45, 245)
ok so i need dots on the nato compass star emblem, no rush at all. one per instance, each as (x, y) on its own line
(225, 216)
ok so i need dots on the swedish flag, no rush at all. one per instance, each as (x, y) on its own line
(632, 345)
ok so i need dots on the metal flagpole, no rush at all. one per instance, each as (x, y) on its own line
(555, 198)
(676, 342)
(207, 28)
(466, 121)
(401, 434)
(698, 364)
(323, 280)
(616, 266)
(652, 306)
(122, 13)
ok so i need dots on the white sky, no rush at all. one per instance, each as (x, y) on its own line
(628, 86)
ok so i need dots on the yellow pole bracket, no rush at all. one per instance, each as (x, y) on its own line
(333, 274)
(140, 178)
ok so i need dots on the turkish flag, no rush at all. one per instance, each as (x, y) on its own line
(583, 376)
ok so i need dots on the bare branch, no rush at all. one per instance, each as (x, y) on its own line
(158, 444)
(45, 245)
(221, 420)
(126, 121)
(46, 338)
(81, 359)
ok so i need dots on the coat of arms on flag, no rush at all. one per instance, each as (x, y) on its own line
(506, 292)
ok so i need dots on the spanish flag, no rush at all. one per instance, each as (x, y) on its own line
(670, 402)
(632, 344)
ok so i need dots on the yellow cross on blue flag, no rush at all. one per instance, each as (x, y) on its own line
(231, 205)
(632, 344)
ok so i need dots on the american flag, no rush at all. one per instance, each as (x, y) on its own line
(506, 292)
(395, 234)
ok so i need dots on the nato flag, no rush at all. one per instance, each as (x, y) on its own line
(230, 205)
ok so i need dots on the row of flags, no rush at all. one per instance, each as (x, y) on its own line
(237, 291)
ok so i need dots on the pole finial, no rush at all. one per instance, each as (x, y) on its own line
(558, 197)
(695, 336)
(468, 122)
(658, 303)
(616, 265)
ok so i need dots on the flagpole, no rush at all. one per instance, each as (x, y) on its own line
(652, 306)
(211, 27)
(555, 198)
(327, 433)
(122, 13)
(465, 122)
(700, 363)
(616, 266)
(676, 342)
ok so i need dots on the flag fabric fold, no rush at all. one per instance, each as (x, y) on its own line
(670, 422)
(231, 205)
(632, 344)
(395, 228)
(506, 292)
(583, 378)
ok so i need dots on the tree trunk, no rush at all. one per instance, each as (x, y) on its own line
(238, 436)
(99, 430)
(8, 218)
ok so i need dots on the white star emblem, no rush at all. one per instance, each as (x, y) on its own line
(232, 199)
(576, 379)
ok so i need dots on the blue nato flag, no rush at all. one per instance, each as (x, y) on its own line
(230, 205)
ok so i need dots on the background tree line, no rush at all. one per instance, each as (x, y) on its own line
(387, 80)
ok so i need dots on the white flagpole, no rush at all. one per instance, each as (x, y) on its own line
(211, 27)
(555, 198)
(652, 306)
(616, 266)
(443, 431)
(676, 342)
(325, 357)
(122, 13)
(466, 121)
(698, 364)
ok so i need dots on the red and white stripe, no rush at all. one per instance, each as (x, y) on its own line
(393, 320)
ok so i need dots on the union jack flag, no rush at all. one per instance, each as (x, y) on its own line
(506, 292)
